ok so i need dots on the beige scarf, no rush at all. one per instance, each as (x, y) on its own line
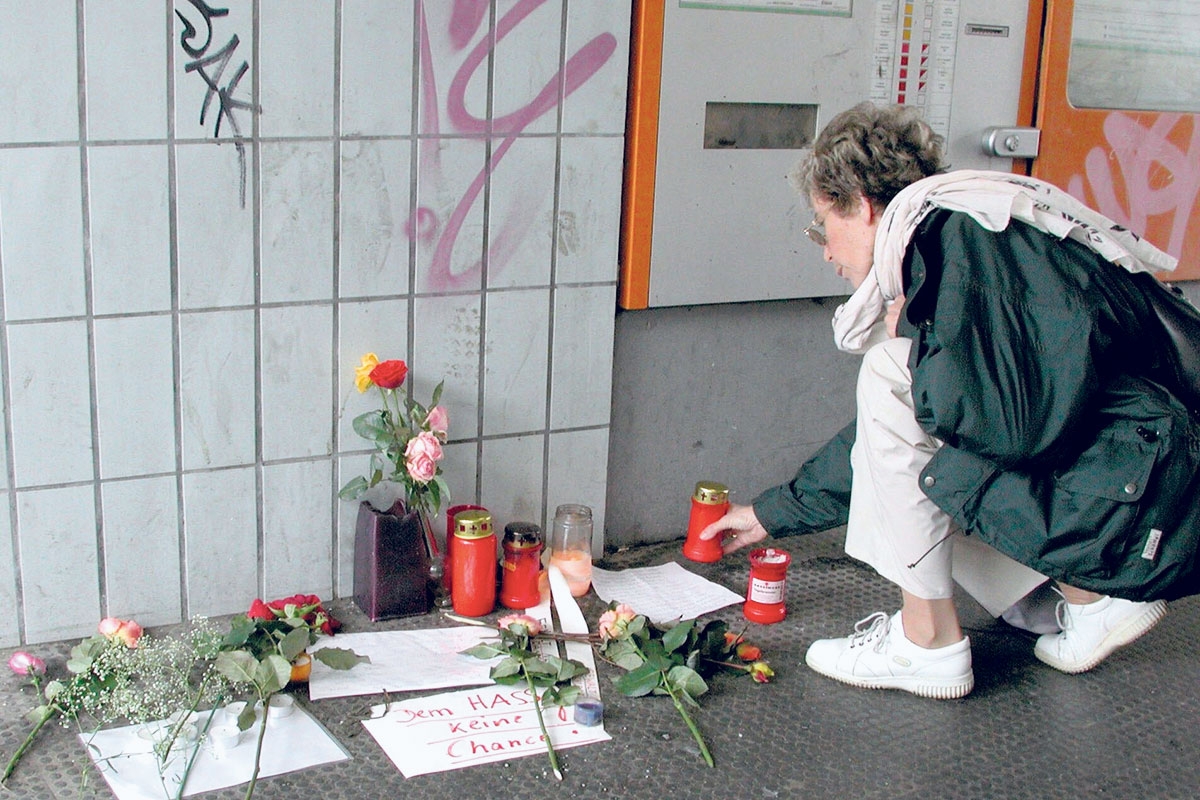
(992, 199)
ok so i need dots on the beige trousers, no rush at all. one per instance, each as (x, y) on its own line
(893, 526)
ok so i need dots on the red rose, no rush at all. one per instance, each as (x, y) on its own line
(389, 374)
(260, 610)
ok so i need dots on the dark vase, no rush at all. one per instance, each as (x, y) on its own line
(391, 563)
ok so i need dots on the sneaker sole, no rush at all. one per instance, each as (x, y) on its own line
(1128, 633)
(951, 689)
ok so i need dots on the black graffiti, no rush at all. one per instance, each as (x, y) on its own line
(211, 67)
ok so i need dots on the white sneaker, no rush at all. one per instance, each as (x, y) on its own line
(1091, 632)
(879, 656)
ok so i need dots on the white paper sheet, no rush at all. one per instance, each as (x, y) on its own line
(663, 593)
(126, 759)
(402, 661)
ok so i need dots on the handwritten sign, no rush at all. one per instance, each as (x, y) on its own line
(473, 726)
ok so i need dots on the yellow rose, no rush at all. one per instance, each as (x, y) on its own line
(362, 373)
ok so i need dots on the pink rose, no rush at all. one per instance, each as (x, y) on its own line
(121, 630)
(438, 421)
(24, 663)
(531, 625)
(421, 457)
(615, 621)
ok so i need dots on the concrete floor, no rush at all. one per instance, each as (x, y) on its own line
(1128, 729)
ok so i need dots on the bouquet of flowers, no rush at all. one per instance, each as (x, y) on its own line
(262, 647)
(675, 661)
(408, 438)
(120, 673)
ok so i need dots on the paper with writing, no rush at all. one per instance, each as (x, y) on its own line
(663, 593)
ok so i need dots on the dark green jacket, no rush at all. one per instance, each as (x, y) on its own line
(1043, 369)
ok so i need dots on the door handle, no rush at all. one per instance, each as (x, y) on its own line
(1011, 142)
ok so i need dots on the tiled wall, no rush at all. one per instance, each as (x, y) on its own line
(205, 220)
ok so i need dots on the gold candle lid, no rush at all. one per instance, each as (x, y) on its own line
(472, 524)
(711, 493)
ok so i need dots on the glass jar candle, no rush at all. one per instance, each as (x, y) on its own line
(571, 546)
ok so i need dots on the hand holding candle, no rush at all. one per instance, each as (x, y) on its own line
(739, 526)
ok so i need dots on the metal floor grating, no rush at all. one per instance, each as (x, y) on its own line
(1127, 729)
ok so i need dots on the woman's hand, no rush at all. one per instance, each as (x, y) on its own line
(739, 528)
(892, 317)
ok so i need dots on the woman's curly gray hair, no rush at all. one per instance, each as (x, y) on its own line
(870, 150)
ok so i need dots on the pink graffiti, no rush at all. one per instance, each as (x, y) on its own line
(1159, 177)
(466, 18)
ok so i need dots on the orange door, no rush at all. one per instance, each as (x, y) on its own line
(1117, 102)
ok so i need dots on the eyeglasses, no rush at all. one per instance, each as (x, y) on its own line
(816, 233)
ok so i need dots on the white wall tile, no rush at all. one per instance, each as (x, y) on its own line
(578, 470)
(446, 331)
(347, 515)
(41, 232)
(380, 327)
(38, 72)
(60, 579)
(217, 377)
(296, 73)
(297, 221)
(221, 535)
(228, 38)
(374, 209)
(141, 550)
(297, 394)
(511, 482)
(598, 40)
(515, 369)
(135, 396)
(525, 81)
(459, 467)
(377, 74)
(51, 408)
(297, 529)
(521, 208)
(589, 209)
(216, 231)
(581, 383)
(126, 49)
(130, 229)
(10, 634)
(450, 216)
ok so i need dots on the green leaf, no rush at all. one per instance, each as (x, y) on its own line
(339, 657)
(353, 489)
(687, 682)
(237, 665)
(371, 425)
(272, 674)
(676, 637)
(240, 629)
(570, 669)
(247, 718)
(507, 667)
(484, 651)
(640, 681)
(294, 643)
(630, 661)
